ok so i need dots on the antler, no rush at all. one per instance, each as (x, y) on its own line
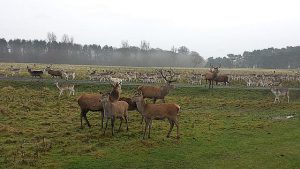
(172, 74)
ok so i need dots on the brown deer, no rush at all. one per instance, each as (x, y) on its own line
(159, 92)
(222, 78)
(90, 102)
(53, 73)
(113, 110)
(35, 73)
(157, 112)
(211, 75)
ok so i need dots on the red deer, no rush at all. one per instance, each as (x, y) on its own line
(157, 112)
(211, 75)
(159, 92)
(222, 78)
(90, 102)
(113, 110)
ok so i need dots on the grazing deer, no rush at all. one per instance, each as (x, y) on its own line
(157, 112)
(159, 92)
(35, 73)
(280, 91)
(211, 75)
(65, 87)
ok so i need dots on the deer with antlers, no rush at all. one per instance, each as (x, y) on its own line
(211, 75)
(159, 92)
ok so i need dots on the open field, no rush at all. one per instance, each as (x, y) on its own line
(220, 128)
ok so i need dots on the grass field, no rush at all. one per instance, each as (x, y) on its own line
(220, 128)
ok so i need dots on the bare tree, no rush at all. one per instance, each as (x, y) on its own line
(183, 50)
(125, 44)
(51, 37)
(65, 38)
(145, 45)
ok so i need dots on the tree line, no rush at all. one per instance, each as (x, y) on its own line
(274, 58)
(66, 51)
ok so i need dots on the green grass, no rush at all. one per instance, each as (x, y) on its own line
(220, 128)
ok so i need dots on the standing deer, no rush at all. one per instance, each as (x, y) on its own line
(211, 75)
(159, 92)
(113, 110)
(280, 91)
(53, 73)
(222, 78)
(157, 112)
(35, 73)
(65, 87)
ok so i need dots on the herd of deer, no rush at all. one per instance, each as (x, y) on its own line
(211, 77)
(112, 106)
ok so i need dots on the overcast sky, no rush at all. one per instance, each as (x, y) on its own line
(210, 27)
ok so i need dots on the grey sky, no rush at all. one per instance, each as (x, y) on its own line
(210, 27)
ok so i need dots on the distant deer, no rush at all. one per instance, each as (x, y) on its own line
(53, 73)
(222, 78)
(280, 91)
(35, 73)
(159, 92)
(211, 75)
(65, 87)
(14, 70)
(69, 74)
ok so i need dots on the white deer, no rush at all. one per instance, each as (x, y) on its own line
(65, 87)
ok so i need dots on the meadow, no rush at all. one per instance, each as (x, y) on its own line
(220, 128)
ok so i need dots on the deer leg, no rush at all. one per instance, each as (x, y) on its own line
(146, 126)
(102, 117)
(112, 125)
(150, 124)
(171, 127)
(81, 116)
(105, 126)
(120, 124)
(177, 126)
(154, 100)
(87, 122)
(142, 119)
(126, 120)
(60, 93)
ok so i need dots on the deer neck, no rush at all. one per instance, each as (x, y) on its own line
(165, 89)
(141, 106)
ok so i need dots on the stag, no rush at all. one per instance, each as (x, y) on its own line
(211, 75)
(159, 92)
